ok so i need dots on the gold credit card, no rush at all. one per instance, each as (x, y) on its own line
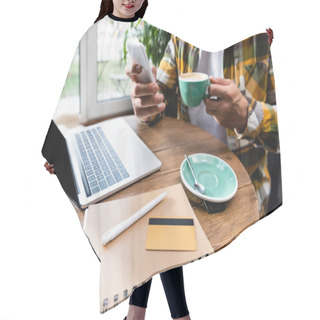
(177, 234)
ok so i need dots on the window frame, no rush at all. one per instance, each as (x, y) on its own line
(90, 107)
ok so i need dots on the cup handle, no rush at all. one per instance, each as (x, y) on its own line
(207, 95)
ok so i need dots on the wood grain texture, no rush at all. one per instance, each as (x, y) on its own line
(170, 139)
(223, 227)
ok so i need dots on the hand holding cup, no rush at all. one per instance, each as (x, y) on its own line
(222, 98)
(231, 108)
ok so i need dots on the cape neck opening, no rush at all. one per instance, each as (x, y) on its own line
(113, 17)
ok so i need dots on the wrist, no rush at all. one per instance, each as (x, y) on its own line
(240, 129)
(142, 121)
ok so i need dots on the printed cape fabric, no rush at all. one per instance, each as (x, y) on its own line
(97, 91)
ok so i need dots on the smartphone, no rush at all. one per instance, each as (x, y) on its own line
(137, 52)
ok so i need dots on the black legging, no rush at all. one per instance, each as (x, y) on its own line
(173, 285)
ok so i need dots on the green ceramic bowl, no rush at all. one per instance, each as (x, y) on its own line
(213, 173)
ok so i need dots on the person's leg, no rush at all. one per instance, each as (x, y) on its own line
(173, 285)
(138, 302)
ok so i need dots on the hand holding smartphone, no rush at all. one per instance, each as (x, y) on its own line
(138, 54)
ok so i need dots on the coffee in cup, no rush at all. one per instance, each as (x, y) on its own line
(193, 88)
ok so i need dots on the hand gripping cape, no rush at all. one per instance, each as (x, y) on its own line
(110, 165)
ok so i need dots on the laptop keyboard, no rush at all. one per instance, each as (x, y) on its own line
(102, 166)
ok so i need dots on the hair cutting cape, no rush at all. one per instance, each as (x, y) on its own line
(96, 178)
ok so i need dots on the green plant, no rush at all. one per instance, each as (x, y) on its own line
(154, 39)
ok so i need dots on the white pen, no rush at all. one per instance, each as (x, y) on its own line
(119, 228)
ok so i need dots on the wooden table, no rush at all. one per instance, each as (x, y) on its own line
(170, 139)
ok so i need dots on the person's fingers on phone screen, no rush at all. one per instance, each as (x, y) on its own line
(132, 70)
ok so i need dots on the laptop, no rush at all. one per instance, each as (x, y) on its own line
(96, 161)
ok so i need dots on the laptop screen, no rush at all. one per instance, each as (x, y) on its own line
(55, 151)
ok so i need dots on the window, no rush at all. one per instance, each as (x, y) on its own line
(105, 88)
(69, 102)
(112, 83)
(97, 86)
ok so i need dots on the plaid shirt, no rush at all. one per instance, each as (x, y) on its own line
(249, 65)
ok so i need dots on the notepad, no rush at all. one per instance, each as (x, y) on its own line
(125, 262)
(171, 233)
